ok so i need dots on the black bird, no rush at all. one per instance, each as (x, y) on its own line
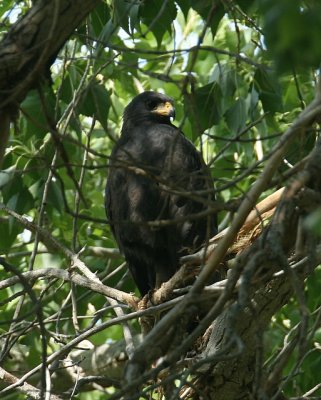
(151, 166)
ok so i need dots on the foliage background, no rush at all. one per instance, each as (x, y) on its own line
(240, 73)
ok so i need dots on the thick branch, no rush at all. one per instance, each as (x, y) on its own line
(29, 49)
(32, 44)
(27, 389)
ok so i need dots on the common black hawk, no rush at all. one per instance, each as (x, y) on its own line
(156, 174)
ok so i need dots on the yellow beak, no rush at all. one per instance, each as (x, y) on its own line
(165, 109)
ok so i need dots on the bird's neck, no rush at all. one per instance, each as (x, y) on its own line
(143, 123)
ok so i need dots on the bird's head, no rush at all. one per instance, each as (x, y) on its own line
(150, 106)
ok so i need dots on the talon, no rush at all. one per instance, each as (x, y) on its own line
(146, 322)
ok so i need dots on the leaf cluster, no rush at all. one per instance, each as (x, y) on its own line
(240, 72)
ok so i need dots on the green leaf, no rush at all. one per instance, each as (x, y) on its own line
(245, 4)
(107, 32)
(226, 78)
(120, 13)
(203, 107)
(204, 8)
(267, 85)
(35, 122)
(55, 196)
(15, 193)
(99, 18)
(72, 80)
(134, 16)
(185, 6)
(235, 117)
(18, 198)
(7, 175)
(5, 5)
(21, 202)
(292, 33)
(96, 102)
(9, 230)
(158, 16)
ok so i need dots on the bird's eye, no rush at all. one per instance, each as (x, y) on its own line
(152, 104)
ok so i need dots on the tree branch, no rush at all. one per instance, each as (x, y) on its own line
(25, 388)
(30, 47)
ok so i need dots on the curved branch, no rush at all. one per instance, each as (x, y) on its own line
(77, 279)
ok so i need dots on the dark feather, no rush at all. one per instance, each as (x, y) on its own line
(150, 160)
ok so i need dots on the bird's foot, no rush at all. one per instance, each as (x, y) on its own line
(146, 322)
